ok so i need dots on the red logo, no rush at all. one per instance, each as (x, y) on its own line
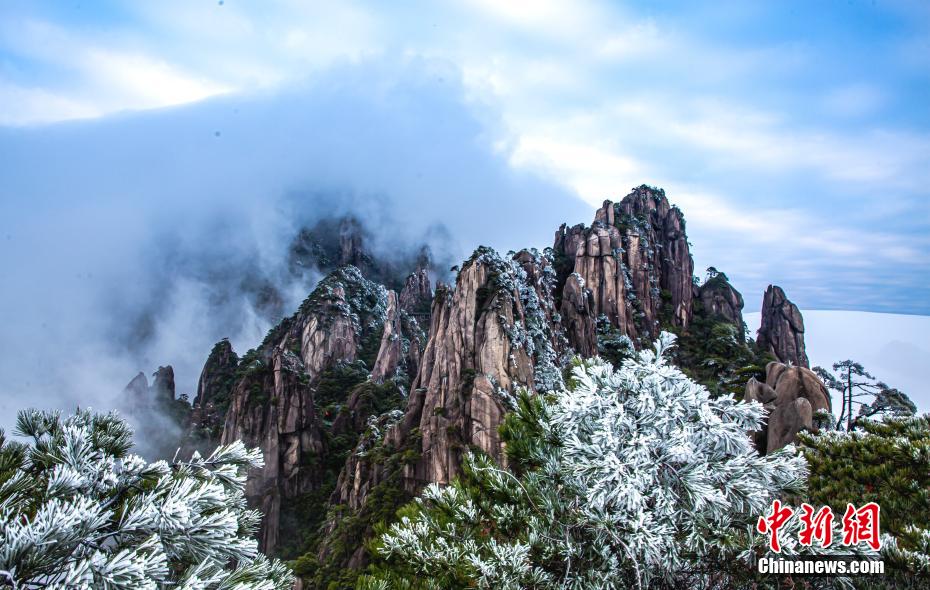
(780, 515)
(859, 526)
(817, 526)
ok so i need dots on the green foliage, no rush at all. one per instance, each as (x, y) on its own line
(885, 462)
(333, 386)
(353, 529)
(612, 344)
(716, 354)
(303, 518)
(222, 365)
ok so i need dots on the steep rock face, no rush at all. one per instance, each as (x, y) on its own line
(782, 328)
(347, 240)
(217, 374)
(490, 334)
(140, 396)
(391, 351)
(792, 395)
(495, 331)
(214, 389)
(163, 384)
(478, 352)
(157, 416)
(417, 295)
(634, 260)
(274, 410)
(578, 317)
(290, 389)
(720, 299)
(136, 391)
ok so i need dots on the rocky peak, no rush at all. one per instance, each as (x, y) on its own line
(488, 335)
(781, 331)
(137, 390)
(417, 295)
(217, 374)
(635, 262)
(138, 394)
(163, 384)
(292, 390)
(719, 298)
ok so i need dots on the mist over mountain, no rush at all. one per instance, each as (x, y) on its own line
(139, 240)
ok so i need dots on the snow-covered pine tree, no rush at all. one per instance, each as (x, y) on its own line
(78, 511)
(628, 478)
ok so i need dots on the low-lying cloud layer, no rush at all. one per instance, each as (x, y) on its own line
(140, 240)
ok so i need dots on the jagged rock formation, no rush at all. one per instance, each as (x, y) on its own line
(634, 260)
(391, 351)
(334, 242)
(577, 314)
(217, 374)
(792, 395)
(720, 299)
(290, 390)
(417, 295)
(494, 331)
(136, 391)
(163, 384)
(325, 395)
(214, 389)
(486, 337)
(157, 416)
(139, 396)
(782, 328)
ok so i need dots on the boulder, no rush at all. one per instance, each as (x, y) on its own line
(791, 395)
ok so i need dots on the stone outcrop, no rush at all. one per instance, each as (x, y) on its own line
(136, 392)
(634, 260)
(273, 409)
(489, 334)
(139, 396)
(217, 374)
(163, 384)
(486, 337)
(417, 295)
(719, 298)
(277, 403)
(577, 315)
(214, 389)
(792, 395)
(391, 350)
(781, 331)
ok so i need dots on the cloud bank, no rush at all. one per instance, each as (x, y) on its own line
(139, 240)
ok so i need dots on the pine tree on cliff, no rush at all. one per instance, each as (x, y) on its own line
(886, 462)
(78, 511)
(627, 478)
(855, 384)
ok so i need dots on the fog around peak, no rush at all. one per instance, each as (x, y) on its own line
(140, 239)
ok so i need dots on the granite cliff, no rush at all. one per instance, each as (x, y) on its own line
(377, 385)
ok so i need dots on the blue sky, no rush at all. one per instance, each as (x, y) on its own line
(150, 151)
(795, 135)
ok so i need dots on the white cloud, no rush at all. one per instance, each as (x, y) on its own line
(139, 81)
(25, 106)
